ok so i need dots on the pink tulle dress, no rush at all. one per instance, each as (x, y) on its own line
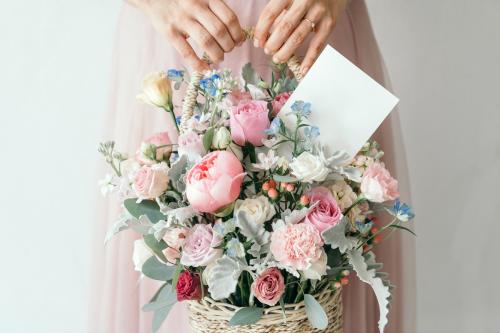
(117, 292)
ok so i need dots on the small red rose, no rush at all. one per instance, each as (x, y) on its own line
(188, 287)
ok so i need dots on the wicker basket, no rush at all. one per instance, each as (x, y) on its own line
(208, 316)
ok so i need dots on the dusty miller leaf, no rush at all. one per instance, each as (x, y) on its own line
(223, 278)
(141, 225)
(335, 237)
(253, 231)
(381, 287)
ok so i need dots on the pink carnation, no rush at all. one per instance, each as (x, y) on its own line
(249, 121)
(214, 182)
(269, 286)
(199, 248)
(326, 213)
(279, 101)
(296, 245)
(377, 184)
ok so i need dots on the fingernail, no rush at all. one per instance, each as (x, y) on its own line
(304, 70)
(266, 51)
(255, 42)
(276, 60)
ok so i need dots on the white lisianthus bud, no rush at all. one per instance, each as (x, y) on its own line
(222, 138)
(258, 210)
(308, 168)
(141, 254)
(156, 90)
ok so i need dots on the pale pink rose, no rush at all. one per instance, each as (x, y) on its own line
(279, 101)
(151, 181)
(172, 255)
(214, 182)
(377, 185)
(326, 213)
(175, 237)
(191, 144)
(162, 140)
(297, 245)
(248, 122)
(269, 286)
(199, 248)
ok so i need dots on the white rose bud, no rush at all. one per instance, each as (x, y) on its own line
(222, 138)
(308, 168)
(156, 90)
(141, 254)
(258, 210)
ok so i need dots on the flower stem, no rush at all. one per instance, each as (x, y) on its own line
(170, 110)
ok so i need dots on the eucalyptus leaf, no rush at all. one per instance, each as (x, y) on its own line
(159, 317)
(166, 298)
(157, 270)
(285, 179)
(146, 207)
(315, 313)
(246, 316)
(157, 246)
(249, 75)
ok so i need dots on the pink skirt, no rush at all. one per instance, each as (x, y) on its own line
(117, 292)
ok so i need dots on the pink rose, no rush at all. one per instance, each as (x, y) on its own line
(190, 144)
(326, 213)
(279, 101)
(151, 181)
(297, 245)
(149, 147)
(214, 182)
(174, 239)
(237, 96)
(248, 122)
(377, 185)
(269, 286)
(199, 247)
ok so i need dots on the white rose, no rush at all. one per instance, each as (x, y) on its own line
(317, 268)
(308, 168)
(141, 254)
(258, 210)
(156, 90)
(222, 138)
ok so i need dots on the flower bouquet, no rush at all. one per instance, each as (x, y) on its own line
(253, 222)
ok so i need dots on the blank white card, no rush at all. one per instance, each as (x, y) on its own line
(347, 105)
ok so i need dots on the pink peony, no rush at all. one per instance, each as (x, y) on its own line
(151, 181)
(214, 182)
(190, 144)
(377, 184)
(297, 245)
(269, 286)
(248, 122)
(199, 248)
(326, 213)
(157, 140)
(279, 101)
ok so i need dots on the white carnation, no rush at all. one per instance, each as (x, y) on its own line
(309, 168)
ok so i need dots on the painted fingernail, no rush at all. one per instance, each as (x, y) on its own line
(276, 60)
(255, 42)
(266, 51)
(304, 70)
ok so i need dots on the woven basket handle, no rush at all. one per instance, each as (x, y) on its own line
(192, 90)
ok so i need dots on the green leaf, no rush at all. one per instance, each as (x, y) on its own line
(249, 75)
(285, 179)
(157, 294)
(246, 316)
(157, 270)
(146, 207)
(315, 313)
(207, 138)
(177, 272)
(397, 226)
(162, 305)
(156, 246)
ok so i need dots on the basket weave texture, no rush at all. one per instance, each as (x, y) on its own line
(209, 316)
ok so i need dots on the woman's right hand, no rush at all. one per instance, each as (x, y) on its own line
(211, 24)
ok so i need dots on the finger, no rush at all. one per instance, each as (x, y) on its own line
(205, 40)
(186, 51)
(216, 28)
(317, 44)
(300, 34)
(229, 18)
(266, 19)
(287, 25)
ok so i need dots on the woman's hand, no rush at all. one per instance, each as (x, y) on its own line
(284, 25)
(209, 23)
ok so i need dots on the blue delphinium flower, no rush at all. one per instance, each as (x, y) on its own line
(301, 108)
(311, 132)
(402, 211)
(209, 84)
(178, 120)
(275, 127)
(175, 74)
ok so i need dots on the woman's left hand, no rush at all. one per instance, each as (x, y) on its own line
(284, 25)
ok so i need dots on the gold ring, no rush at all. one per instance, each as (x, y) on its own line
(313, 25)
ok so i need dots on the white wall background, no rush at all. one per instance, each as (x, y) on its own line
(54, 65)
